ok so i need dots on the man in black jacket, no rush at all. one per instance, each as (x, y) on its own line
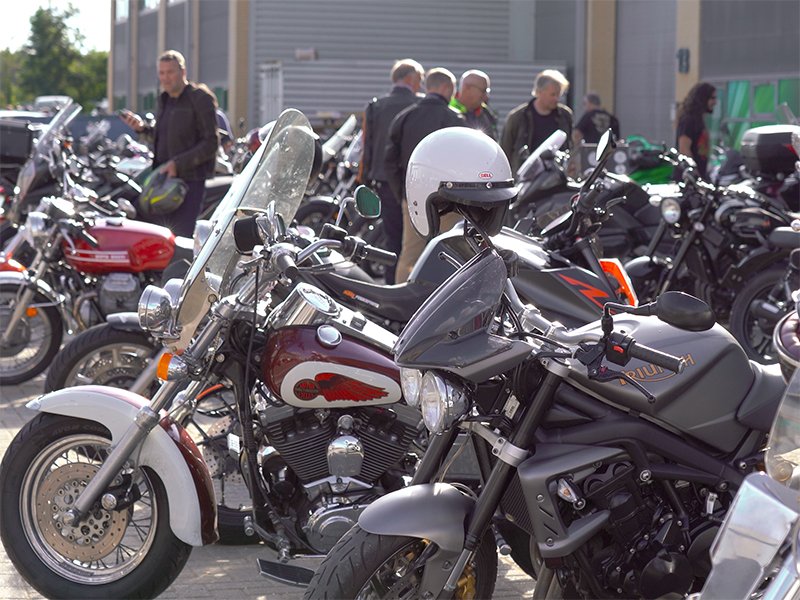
(531, 123)
(406, 81)
(184, 137)
(408, 129)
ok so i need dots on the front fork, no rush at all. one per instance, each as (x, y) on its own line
(23, 300)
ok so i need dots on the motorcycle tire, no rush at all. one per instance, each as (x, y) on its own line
(46, 463)
(45, 346)
(102, 355)
(754, 334)
(360, 557)
(315, 213)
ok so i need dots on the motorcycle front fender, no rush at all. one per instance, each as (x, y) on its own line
(431, 511)
(125, 321)
(21, 278)
(168, 450)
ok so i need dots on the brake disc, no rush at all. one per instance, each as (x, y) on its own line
(97, 534)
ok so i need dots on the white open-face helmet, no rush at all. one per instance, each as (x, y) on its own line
(458, 168)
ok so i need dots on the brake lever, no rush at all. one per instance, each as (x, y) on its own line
(604, 374)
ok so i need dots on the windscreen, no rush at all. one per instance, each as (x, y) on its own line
(278, 173)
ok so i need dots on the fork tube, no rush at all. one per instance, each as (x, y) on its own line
(146, 377)
(675, 266)
(23, 302)
(661, 230)
(146, 419)
(501, 475)
(434, 454)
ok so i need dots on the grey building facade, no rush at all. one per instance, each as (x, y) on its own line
(329, 58)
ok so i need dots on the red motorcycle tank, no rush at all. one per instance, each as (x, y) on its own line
(311, 366)
(124, 246)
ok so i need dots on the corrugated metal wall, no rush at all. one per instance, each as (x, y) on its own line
(122, 63)
(336, 88)
(176, 35)
(645, 70)
(148, 55)
(435, 32)
(214, 43)
(739, 39)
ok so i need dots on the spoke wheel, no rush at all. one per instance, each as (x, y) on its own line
(753, 332)
(35, 340)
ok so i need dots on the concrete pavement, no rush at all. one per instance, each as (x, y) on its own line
(212, 571)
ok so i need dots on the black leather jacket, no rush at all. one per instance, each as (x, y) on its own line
(407, 130)
(518, 130)
(377, 118)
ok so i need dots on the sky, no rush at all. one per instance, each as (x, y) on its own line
(92, 20)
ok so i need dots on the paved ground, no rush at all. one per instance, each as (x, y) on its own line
(213, 571)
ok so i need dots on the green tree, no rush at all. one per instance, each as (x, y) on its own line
(10, 68)
(54, 64)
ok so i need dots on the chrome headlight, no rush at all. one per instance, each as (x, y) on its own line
(670, 210)
(440, 403)
(410, 382)
(156, 305)
(38, 224)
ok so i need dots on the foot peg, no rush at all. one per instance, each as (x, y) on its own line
(284, 573)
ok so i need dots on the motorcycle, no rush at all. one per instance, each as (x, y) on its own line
(86, 264)
(758, 558)
(124, 482)
(730, 246)
(598, 444)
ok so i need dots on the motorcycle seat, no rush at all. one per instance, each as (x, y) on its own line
(758, 409)
(784, 237)
(394, 302)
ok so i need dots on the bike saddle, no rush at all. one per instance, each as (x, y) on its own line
(784, 237)
(394, 302)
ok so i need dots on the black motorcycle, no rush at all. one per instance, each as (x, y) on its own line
(614, 461)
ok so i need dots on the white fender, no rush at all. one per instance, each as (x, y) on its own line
(21, 278)
(116, 409)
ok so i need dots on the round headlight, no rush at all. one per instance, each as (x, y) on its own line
(155, 308)
(440, 403)
(670, 210)
(410, 382)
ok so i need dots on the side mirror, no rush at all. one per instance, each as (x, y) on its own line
(684, 311)
(368, 203)
(605, 147)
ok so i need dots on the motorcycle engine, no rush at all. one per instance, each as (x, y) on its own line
(328, 464)
(649, 550)
(118, 292)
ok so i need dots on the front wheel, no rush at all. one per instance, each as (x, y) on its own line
(34, 341)
(751, 329)
(126, 552)
(365, 566)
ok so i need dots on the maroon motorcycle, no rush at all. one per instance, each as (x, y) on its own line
(86, 266)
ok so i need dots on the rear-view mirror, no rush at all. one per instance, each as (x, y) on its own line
(368, 203)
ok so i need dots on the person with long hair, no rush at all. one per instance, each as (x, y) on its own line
(691, 134)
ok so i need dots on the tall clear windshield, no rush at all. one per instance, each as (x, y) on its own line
(277, 173)
(62, 119)
(783, 454)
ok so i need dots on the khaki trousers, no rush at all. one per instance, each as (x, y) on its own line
(414, 244)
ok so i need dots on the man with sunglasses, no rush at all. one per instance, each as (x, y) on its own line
(470, 101)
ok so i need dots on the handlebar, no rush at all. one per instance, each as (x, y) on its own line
(661, 359)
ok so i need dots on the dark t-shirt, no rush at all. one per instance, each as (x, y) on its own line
(595, 123)
(543, 128)
(693, 127)
(161, 152)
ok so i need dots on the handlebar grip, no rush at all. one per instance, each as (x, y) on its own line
(384, 257)
(246, 235)
(285, 262)
(587, 201)
(656, 357)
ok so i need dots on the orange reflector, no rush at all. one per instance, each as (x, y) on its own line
(162, 370)
(613, 268)
(31, 311)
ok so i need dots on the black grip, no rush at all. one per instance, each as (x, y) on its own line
(656, 357)
(286, 264)
(587, 201)
(384, 257)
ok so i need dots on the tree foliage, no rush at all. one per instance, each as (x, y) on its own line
(52, 62)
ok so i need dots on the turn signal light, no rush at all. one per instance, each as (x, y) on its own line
(162, 370)
(171, 367)
(613, 268)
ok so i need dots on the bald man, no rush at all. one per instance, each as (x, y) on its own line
(470, 100)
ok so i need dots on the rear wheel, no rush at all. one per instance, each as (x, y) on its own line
(35, 340)
(365, 566)
(128, 551)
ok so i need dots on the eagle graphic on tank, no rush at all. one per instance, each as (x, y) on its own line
(333, 386)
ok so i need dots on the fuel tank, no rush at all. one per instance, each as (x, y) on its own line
(702, 401)
(313, 367)
(125, 246)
